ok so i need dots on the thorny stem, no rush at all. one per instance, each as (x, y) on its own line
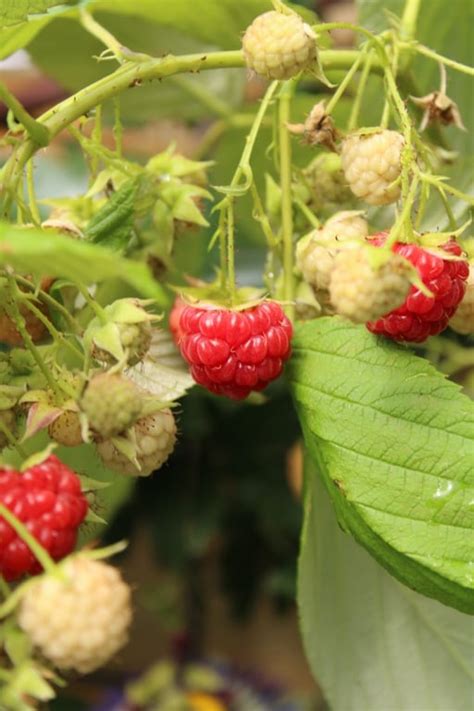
(448, 210)
(443, 185)
(344, 83)
(92, 303)
(56, 335)
(394, 68)
(40, 553)
(118, 128)
(425, 51)
(243, 169)
(39, 134)
(132, 74)
(310, 216)
(260, 215)
(410, 17)
(51, 301)
(222, 248)
(354, 117)
(230, 258)
(284, 142)
(96, 138)
(33, 205)
(19, 321)
(404, 217)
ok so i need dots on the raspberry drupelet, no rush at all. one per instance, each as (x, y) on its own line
(231, 352)
(48, 500)
(421, 316)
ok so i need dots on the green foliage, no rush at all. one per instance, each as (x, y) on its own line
(112, 224)
(218, 23)
(40, 252)
(392, 439)
(14, 11)
(449, 33)
(371, 643)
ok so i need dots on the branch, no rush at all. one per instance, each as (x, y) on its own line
(133, 74)
(39, 134)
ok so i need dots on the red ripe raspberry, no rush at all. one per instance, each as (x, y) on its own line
(421, 316)
(174, 319)
(234, 352)
(48, 499)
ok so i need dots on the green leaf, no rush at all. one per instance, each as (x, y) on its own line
(163, 371)
(392, 439)
(14, 11)
(14, 38)
(39, 252)
(112, 225)
(17, 644)
(183, 201)
(220, 23)
(371, 643)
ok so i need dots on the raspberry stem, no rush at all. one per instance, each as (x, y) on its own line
(92, 303)
(403, 220)
(40, 553)
(410, 17)
(19, 321)
(56, 335)
(96, 138)
(33, 205)
(51, 301)
(243, 170)
(39, 133)
(345, 82)
(11, 439)
(284, 137)
(425, 51)
(118, 127)
(354, 116)
(129, 74)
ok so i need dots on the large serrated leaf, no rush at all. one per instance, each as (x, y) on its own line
(14, 11)
(220, 23)
(371, 643)
(41, 252)
(393, 440)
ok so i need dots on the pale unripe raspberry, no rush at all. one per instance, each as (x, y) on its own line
(463, 319)
(327, 185)
(155, 437)
(371, 163)
(279, 46)
(361, 293)
(315, 257)
(346, 225)
(111, 403)
(66, 429)
(79, 621)
(135, 339)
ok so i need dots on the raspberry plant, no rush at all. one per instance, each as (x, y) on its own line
(361, 216)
